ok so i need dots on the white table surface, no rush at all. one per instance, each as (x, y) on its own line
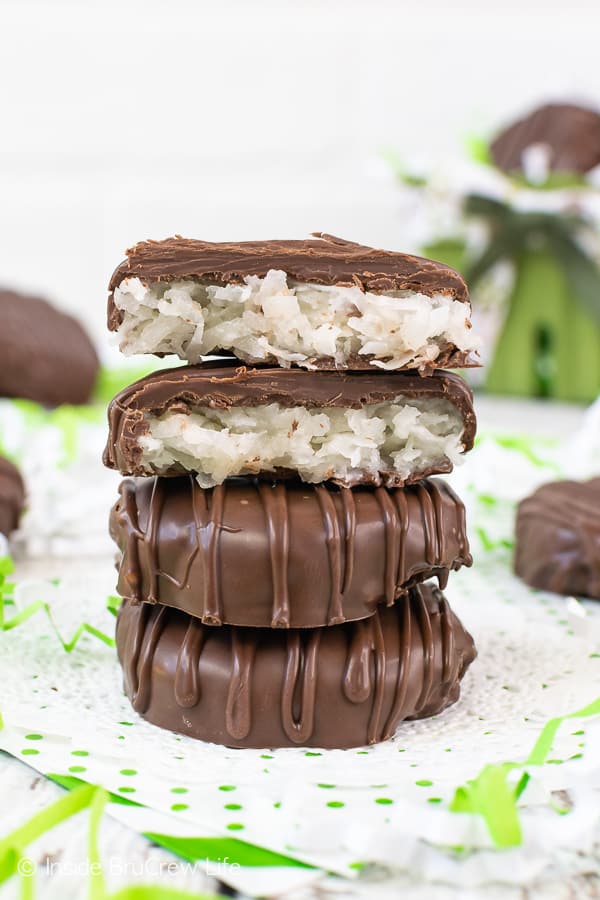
(23, 792)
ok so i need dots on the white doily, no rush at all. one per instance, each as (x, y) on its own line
(336, 808)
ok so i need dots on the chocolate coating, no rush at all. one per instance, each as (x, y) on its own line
(558, 538)
(192, 387)
(282, 555)
(571, 133)
(46, 355)
(344, 686)
(12, 496)
(325, 260)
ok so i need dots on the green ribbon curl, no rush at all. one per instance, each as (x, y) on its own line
(512, 231)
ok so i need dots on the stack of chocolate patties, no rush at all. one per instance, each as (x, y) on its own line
(278, 536)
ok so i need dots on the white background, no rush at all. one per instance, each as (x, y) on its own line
(225, 120)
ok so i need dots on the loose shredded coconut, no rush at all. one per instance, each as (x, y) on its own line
(404, 436)
(267, 319)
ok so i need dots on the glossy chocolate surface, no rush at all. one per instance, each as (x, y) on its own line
(344, 686)
(323, 260)
(558, 538)
(282, 555)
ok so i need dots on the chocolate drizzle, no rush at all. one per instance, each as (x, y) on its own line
(392, 534)
(403, 676)
(241, 553)
(376, 667)
(300, 685)
(349, 506)
(448, 674)
(276, 514)
(380, 665)
(187, 676)
(156, 505)
(335, 613)
(422, 615)
(238, 712)
(125, 520)
(208, 514)
(145, 645)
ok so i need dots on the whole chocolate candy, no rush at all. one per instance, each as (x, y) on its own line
(46, 355)
(339, 687)
(12, 496)
(282, 555)
(558, 538)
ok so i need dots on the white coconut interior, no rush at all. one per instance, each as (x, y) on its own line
(405, 436)
(269, 319)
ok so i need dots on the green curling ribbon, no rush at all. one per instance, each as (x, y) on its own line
(71, 783)
(492, 797)
(69, 419)
(489, 543)
(543, 745)
(522, 445)
(113, 604)
(19, 618)
(512, 230)
(14, 860)
(478, 149)
(219, 849)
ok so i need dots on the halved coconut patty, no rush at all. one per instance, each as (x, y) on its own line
(318, 304)
(359, 428)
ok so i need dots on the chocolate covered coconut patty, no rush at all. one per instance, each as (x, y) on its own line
(558, 538)
(282, 555)
(569, 136)
(46, 356)
(344, 686)
(324, 303)
(349, 428)
(12, 496)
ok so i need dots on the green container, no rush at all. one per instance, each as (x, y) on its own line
(549, 346)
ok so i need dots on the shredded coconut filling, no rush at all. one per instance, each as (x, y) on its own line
(268, 319)
(404, 436)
